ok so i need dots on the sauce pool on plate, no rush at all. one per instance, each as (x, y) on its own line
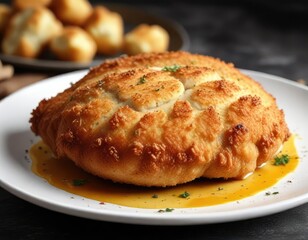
(64, 175)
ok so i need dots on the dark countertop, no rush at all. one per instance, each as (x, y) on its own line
(265, 37)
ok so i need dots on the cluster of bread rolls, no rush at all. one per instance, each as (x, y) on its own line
(73, 30)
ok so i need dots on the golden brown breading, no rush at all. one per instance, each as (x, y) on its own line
(29, 31)
(73, 44)
(161, 119)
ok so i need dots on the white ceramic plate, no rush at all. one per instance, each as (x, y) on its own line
(17, 177)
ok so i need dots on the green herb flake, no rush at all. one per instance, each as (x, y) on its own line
(165, 210)
(100, 83)
(184, 195)
(282, 160)
(142, 80)
(273, 193)
(154, 196)
(172, 68)
(79, 182)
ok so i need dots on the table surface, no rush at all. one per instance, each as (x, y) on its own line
(260, 37)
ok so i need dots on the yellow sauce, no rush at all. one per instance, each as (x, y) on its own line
(66, 176)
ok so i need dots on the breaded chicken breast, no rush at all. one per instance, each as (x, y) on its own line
(162, 119)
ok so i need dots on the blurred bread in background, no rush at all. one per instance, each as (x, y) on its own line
(5, 13)
(6, 71)
(29, 31)
(73, 44)
(67, 29)
(22, 4)
(145, 39)
(71, 12)
(107, 29)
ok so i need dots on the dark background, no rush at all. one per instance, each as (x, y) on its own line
(263, 35)
(267, 36)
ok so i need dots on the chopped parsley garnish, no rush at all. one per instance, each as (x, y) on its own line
(79, 182)
(100, 83)
(282, 160)
(184, 195)
(172, 68)
(273, 193)
(158, 89)
(142, 80)
(165, 210)
(154, 196)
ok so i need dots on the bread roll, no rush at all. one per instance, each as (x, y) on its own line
(162, 119)
(107, 29)
(71, 12)
(5, 13)
(29, 31)
(146, 38)
(23, 4)
(73, 44)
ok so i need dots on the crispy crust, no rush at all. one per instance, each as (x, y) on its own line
(131, 121)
